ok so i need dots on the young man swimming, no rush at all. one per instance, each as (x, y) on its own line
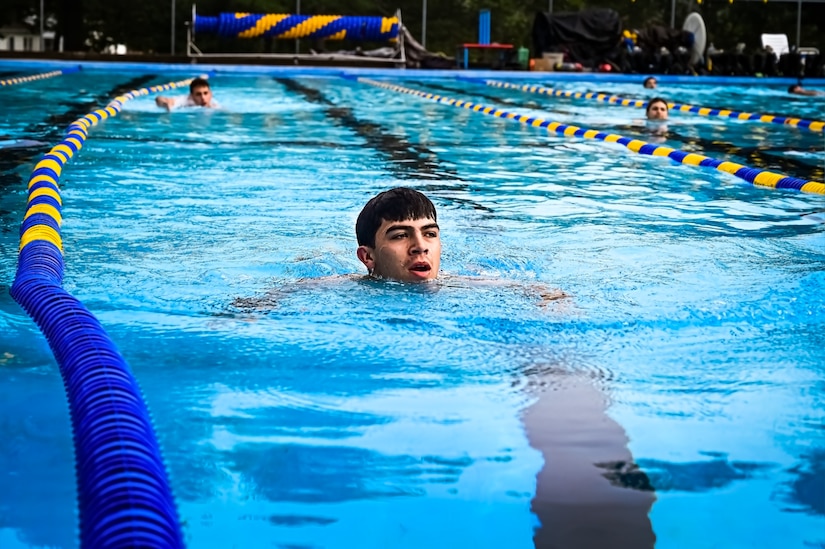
(200, 95)
(398, 240)
(398, 236)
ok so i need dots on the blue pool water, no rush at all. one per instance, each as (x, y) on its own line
(678, 393)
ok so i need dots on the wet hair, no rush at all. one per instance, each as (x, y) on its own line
(198, 83)
(793, 87)
(648, 79)
(398, 204)
(655, 100)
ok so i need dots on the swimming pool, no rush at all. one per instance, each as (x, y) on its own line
(379, 415)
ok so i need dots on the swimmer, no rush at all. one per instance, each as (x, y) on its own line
(399, 240)
(656, 109)
(200, 95)
(650, 83)
(796, 89)
(398, 236)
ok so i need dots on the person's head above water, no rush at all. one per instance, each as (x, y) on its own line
(656, 109)
(200, 92)
(650, 82)
(398, 236)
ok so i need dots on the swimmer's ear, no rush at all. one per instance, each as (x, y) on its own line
(365, 254)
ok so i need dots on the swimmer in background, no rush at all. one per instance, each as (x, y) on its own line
(200, 95)
(797, 89)
(650, 83)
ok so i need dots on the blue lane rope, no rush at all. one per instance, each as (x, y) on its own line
(33, 77)
(280, 25)
(812, 125)
(751, 175)
(124, 496)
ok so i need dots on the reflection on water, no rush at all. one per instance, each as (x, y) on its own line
(380, 415)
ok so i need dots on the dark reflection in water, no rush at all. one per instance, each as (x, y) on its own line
(325, 474)
(300, 520)
(578, 507)
(807, 490)
(698, 476)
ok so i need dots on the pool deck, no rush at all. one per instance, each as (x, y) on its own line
(236, 68)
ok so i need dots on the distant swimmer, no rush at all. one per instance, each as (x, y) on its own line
(796, 89)
(200, 95)
(650, 83)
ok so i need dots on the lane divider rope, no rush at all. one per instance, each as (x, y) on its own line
(812, 125)
(124, 496)
(41, 76)
(751, 175)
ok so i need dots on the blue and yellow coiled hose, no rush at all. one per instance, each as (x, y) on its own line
(278, 25)
(124, 496)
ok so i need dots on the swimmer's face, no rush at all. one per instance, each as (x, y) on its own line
(407, 251)
(201, 95)
(650, 83)
(657, 111)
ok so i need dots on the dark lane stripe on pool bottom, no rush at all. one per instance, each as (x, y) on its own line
(577, 504)
(55, 125)
(407, 160)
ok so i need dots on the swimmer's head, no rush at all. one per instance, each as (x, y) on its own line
(650, 82)
(656, 109)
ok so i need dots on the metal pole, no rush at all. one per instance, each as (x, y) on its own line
(297, 12)
(173, 28)
(42, 43)
(798, 22)
(550, 6)
(672, 14)
(424, 25)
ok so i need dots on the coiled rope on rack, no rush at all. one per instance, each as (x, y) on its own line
(278, 25)
(124, 496)
(812, 125)
(751, 175)
(33, 77)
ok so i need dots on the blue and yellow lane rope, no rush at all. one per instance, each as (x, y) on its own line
(44, 201)
(30, 78)
(751, 175)
(812, 125)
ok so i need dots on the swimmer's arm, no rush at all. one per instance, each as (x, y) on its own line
(167, 103)
(543, 292)
(272, 297)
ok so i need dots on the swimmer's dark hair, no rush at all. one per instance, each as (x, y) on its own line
(656, 100)
(398, 204)
(793, 87)
(198, 83)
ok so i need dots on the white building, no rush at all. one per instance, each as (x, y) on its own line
(19, 38)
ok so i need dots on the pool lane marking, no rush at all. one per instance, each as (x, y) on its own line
(754, 176)
(813, 125)
(41, 76)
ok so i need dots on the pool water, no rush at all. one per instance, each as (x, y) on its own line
(677, 395)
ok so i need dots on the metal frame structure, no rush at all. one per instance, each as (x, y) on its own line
(400, 60)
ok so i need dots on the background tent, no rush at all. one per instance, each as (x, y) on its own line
(589, 37)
